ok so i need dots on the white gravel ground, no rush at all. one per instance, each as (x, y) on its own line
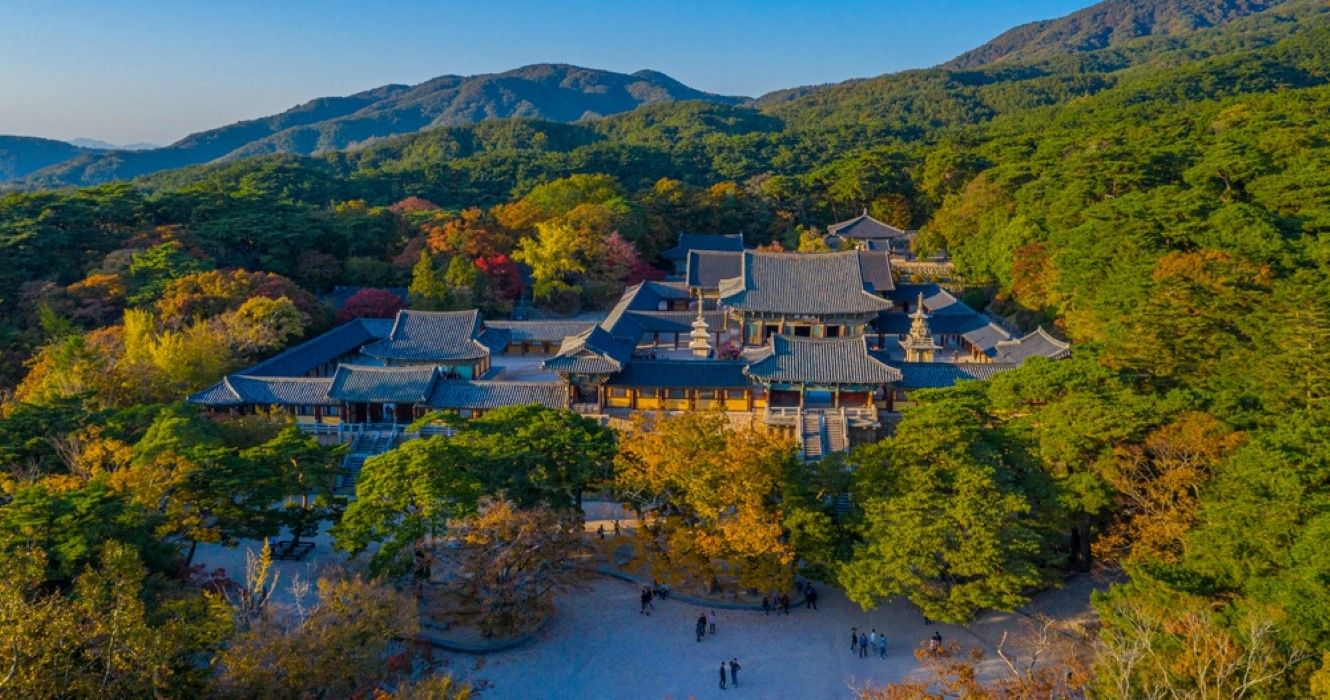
(598, 646)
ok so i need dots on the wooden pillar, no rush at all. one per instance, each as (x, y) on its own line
(835, 396)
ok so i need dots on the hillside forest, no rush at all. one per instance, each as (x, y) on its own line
(1163, 202)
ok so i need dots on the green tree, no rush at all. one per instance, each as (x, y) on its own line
(203, 489)
(153, 269)
(308, 472)
(946, 523)
(429, 290)
(405, 495)
(537, 455)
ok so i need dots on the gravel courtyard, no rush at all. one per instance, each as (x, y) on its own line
(598, 646)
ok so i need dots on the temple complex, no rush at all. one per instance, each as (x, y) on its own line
(824, 347)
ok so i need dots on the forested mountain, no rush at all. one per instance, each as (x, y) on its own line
(99, 145)
(20, 155)
(555, 92)
(1163, 202)
(1106, 24)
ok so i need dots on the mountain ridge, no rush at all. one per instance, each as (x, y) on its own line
(552, 91)
(1106, 24)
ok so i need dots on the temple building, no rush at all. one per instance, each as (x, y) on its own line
(830, 295)
(822, 347)
(866, 233)
(689, 242)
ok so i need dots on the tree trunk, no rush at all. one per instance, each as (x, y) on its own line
(298, 528)
(193, 547)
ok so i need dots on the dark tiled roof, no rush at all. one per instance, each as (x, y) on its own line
(592, 352)
(703, 374)
(1038, 343)
(933, 375)
(795, 283)
(875, 267)
(703, 241)
(239, 390)
(675, 321)
(706, 268)
(337, 342)
(219, 394)
(540, 331)
(645, 296)
(458, 394)
(431, 336)
(820, 361)
(382, 384)
(865, 227)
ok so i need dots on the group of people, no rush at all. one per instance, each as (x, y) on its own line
(656, 590)
(703, 622)
(734, 673)
(868, 643)
(782, 604)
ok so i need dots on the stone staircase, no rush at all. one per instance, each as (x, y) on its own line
(841, 505)
(836, 430)
(822, 432)
(364, 446)
(811, 435)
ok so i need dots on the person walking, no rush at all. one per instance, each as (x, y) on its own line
(863, 645)
(766, 605)
(711, 618)
(646, 602)
(734, 672)
(872, 642)
(701, 627)
(810, 597)
(882, 646)
(785, 603)
(854, 639)
(722, 675)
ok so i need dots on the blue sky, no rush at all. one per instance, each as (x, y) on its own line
(132, 70)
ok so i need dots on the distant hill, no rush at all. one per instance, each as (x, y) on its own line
(555, 92)
(21, 155)
(100, 145)
(1107, 24)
